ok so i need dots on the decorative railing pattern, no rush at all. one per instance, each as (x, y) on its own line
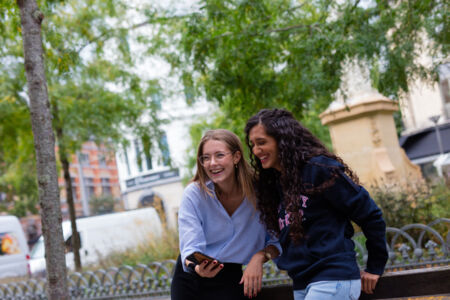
(412, 246)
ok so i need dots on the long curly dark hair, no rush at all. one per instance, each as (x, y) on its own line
(296, 146)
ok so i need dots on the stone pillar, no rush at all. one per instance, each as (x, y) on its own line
(363, 134)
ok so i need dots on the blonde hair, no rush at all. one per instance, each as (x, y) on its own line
(243, 171)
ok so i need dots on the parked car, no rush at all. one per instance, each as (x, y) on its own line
(14, 252)
(101, 235)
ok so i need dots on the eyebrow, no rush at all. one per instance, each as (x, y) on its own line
(260, 139)
(214, 152)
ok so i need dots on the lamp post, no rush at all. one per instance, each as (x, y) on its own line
(435, 120)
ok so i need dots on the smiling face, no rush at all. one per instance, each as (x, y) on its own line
(264, 147)
(218, 162)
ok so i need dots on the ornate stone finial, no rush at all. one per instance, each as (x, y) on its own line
(355, 86)
(363, 132)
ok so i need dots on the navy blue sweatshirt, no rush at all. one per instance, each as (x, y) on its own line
(327, 252)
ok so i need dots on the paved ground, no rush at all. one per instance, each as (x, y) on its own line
(437, 297)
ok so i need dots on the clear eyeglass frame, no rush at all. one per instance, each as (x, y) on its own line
(218, 156)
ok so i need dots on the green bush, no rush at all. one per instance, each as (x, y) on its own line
(103, 204)
(414, 203)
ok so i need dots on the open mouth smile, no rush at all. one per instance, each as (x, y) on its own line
(216, 172)
(263, 158)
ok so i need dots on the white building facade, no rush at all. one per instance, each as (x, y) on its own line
(155, 178)
(426, 100)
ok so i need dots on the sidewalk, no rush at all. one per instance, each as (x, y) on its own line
(435, 297)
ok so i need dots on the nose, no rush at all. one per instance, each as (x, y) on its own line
(256, 150)
(213, 160)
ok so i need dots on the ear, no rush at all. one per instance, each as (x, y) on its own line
(237, 157)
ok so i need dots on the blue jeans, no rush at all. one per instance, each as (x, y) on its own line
(330, 290)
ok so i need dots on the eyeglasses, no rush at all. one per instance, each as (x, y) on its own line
(218, 157)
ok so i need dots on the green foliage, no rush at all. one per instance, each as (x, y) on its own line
(253, 54)
(102, 204)
(415, 203)
(270, 53)
(94, 92)
(17, 164)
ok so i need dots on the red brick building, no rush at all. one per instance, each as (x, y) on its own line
(94, 173)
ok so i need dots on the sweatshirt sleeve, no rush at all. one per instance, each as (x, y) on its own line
(274, 241)
(354, 202)
(192, 237)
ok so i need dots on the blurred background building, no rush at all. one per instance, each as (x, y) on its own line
(94, 175)
(154, 178)
(426, 120)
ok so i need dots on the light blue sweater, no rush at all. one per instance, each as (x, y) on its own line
(205, 226)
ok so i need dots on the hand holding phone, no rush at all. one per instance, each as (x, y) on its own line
(206, 266)
(198, 258)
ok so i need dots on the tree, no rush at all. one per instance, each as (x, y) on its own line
(94, 92)
(247, 55)
(44, 143)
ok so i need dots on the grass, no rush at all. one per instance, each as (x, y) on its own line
(150, 250)
(7, 280)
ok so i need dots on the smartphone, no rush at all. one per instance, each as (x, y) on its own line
(199, 257)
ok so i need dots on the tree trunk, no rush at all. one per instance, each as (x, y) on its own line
(44, 143)
(69, 196)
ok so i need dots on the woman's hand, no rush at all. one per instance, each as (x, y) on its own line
(368, 282)
(252, 277)
(208, 270)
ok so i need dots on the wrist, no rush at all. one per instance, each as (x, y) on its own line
(260, 256)
(267, 255)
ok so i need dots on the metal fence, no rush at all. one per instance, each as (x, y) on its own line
(412, 246)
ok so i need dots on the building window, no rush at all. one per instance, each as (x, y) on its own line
(148, 160)
(84, 159)
(137, 148)
(127, 162)
(89, 188)
(106, 186)
(101, 160)
(74, 189)
(74, 194)
(164, 146)
(143, 154)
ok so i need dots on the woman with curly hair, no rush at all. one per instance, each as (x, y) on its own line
(218, 217)
(307, 197)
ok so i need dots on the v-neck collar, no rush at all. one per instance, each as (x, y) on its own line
(212, 188)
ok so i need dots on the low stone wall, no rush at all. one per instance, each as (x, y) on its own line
(410, 283)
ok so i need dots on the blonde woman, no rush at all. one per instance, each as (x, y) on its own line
(217, 217)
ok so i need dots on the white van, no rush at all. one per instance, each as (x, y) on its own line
(100, 235)
(14, 253)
